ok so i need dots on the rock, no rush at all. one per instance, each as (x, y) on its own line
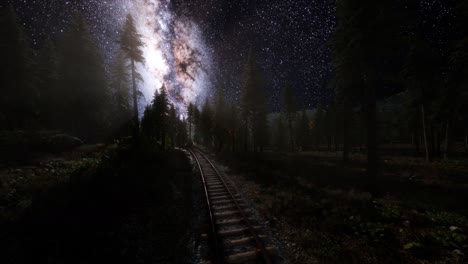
(453, 228)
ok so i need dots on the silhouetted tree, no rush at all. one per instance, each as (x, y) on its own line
(254, 107)
(421, 73)
(131, 44)
(233, 126)
(181, 134)
(220, 132)
(161, 108)
(120, 87)
(319, 121)
(280, 135)
(289, 108)
(172, 124)
(47, 84)
(84, 89)
(190, 119)
(18, 100)
(302, 130)
(366, 43)
(206, 123)
(197, 137)
(457, 94)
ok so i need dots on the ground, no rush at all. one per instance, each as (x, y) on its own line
(96, 204)
(323, 214)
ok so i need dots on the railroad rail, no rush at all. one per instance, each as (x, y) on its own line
(233, 234)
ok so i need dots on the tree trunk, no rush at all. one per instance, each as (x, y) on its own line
(372, 158)
(466, 138)
(136, 128)
(432, 149)
(246, 134)
(417, 140)
(345, 134)
(291, 138)
(423, 117)
(190, 131)
(438, 141)
(337, 143)
(446, 141)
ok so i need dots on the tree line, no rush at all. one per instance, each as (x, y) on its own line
(64, 85)
(393, 83)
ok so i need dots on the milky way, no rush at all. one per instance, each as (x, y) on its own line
(175, 53)
(194, 45)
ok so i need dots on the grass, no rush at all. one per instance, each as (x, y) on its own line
(409, 222)
(120, 208)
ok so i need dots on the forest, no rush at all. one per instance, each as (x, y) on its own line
(376, 174)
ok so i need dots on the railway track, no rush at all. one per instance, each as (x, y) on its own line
(234, 234)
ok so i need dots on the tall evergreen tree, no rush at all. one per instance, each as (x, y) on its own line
(206, 123)
(233, 126)
(47, 84)
(18, 100)
(280, 135)
(319, 121)
(254, 107)
(457, 94)
(161, 106)
(220, 120)
(302, 131)
(172, 124)
(190, 119)
(197, 137)
(366, 44)
(131, 44)
(120, 87)
(289, 108)
(84, 89)
(421, 72)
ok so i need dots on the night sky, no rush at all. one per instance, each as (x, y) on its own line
(290, 39)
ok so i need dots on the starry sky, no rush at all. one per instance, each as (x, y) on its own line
(195, 45)
(289, 38)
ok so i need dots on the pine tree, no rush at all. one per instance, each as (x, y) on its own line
(254, 107)
(220, 122)
(420, 72)
(233, 126)
(280, 135)
(162, 113)
(190, 119)
(47, 84)
(197, 137)
(289, 108)
(457, 94)
(120, 87)
(319, 120)
(148, 124)
(18, 100)
(367, 42)
(181, 135)
(131, 44)
(84, 89)
(206, 123)
(172, 124)
(302, 130)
